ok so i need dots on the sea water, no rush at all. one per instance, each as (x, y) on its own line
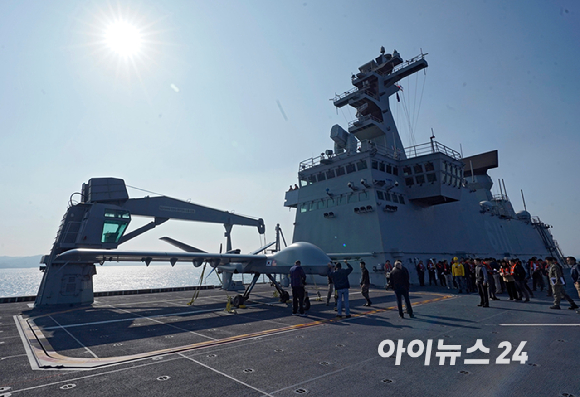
(25, 281)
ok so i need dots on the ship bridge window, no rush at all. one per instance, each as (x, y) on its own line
(407, 171)
(304, 207)
(395, 199)
(388, 196)
(312, 206)
(330, 174)
(409, 181)
(321, 177)
(389, 169)
(350, 168)
(429, 166)
(361, 165)
(418, 168)
(339, 200)
(114, 226)
(321, 204)
(330, 203)
(352, 198)
(375, 165)
(396, 171)
(432, 178)
(420, 179)
(311, 179)
(340, 171)
(401, 200)
(380, 195)
(363, 196)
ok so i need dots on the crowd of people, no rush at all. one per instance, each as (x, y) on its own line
(488, 277)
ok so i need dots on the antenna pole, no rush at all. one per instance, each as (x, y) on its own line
(504, 190)
(524, 200)
(472, 176)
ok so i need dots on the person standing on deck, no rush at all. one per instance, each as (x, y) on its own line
(330, 288)
(432, 269)
(341, 284)
(365, 283)
(421, 273)
(400, 284)
(388, 270)
(458, 273)
(481, 282)
(556, 277)
(574, 272)
(297, 280)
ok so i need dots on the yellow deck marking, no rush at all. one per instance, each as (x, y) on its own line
(46, 358)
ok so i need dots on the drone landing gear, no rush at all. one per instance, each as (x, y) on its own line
(241, 299)
(284, 295)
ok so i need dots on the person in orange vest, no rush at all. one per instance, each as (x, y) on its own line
(508, 279)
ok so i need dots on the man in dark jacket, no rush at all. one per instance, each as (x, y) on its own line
(365, 283)
(297, 279)
(400, 284)
(341, 284)
(519, 274)
(481, 282)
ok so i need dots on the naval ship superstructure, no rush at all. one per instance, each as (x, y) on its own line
(370, 194)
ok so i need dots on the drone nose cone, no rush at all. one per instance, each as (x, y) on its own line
(308, 254)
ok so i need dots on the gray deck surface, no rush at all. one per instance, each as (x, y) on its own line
(201, 350)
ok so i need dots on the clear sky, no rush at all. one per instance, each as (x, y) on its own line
(194, 113)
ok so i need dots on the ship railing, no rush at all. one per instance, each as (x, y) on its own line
(501, 197)
(362, 119)
(407, 63)
(344, 94)
(361, 147)
(366, 91)
(431, 147)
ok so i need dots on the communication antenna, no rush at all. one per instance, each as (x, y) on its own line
(499, 183)
(431, 138)
(524, 200)
(472, 176)
(504, 189)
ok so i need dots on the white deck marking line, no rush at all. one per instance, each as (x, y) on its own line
(226, 375)
(93, 375)
(540, 325)
(31, 357)
(323, 376)
(171, 325)
(18, 355)
(72, 336)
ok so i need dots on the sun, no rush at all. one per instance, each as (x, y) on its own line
(123, 38)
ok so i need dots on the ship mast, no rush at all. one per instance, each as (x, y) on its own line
(373, 85)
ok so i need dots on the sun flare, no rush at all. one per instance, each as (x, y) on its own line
(123, 38)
